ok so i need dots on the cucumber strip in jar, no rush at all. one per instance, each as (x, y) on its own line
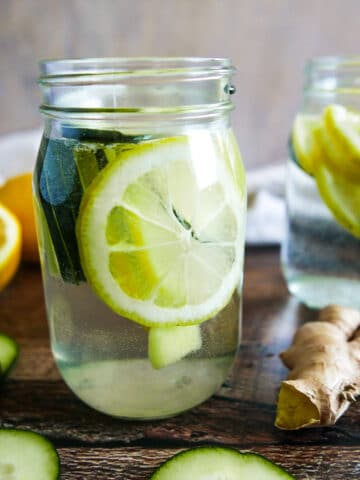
(65, 169)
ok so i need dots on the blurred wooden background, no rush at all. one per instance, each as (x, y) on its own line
(268, 41)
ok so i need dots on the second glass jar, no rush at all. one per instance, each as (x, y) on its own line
(321, 251)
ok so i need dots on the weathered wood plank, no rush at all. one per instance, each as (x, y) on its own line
(35, 362)
(22, 306)
(50, 408)
(138, 463)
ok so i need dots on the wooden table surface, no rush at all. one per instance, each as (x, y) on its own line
(241, 414)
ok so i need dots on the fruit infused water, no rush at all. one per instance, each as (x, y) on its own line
(321, 253)
(141, 236)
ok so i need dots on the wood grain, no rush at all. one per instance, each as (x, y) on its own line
(268, 41)
(50, 408)
(139, 463)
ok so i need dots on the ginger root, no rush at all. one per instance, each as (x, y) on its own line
(324, 360)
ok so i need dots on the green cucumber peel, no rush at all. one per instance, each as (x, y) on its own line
(65, 169)
(102, 136)
(9, 351)
(59, 188)
(218, 463)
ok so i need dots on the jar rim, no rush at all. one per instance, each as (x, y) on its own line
(181, 86)
(333, 62)
(333, 74)
(76, 70)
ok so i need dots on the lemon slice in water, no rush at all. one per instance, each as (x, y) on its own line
(304, 143)
(341, 138)
(161, 232)
(328, 147)
(341, 195)
(338, 173)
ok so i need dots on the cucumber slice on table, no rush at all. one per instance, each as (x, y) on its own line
(218, 463)
(27, 455)
(8, 354)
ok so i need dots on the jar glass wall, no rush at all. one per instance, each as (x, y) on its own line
(140, 203)
(321, 252)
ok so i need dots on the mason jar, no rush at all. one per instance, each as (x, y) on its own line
(140, 203)
(321, 252)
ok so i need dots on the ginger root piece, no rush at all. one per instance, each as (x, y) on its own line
(324, 360)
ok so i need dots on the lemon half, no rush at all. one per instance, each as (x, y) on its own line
(10, 245)
(16, 195)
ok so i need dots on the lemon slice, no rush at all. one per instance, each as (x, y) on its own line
(10, 245)
(337, 172)
(161, 232)
(16, 195)
(328, 147)
(341, 138)
(305, 145)
(342, 196)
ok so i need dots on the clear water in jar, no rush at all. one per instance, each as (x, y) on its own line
(320, 259)
(102, 355)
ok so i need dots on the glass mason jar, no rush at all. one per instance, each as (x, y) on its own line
(140, 203)
(321, 251)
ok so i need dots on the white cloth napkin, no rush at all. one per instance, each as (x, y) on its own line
(266, 205)
(18, 153)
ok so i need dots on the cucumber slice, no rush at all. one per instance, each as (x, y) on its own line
(88, 162)
(8, 354)
(167, 345)
(59, 191)
(46, 246)
(217, 463)
(27, 455)
(64, 171)
(104, 136)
